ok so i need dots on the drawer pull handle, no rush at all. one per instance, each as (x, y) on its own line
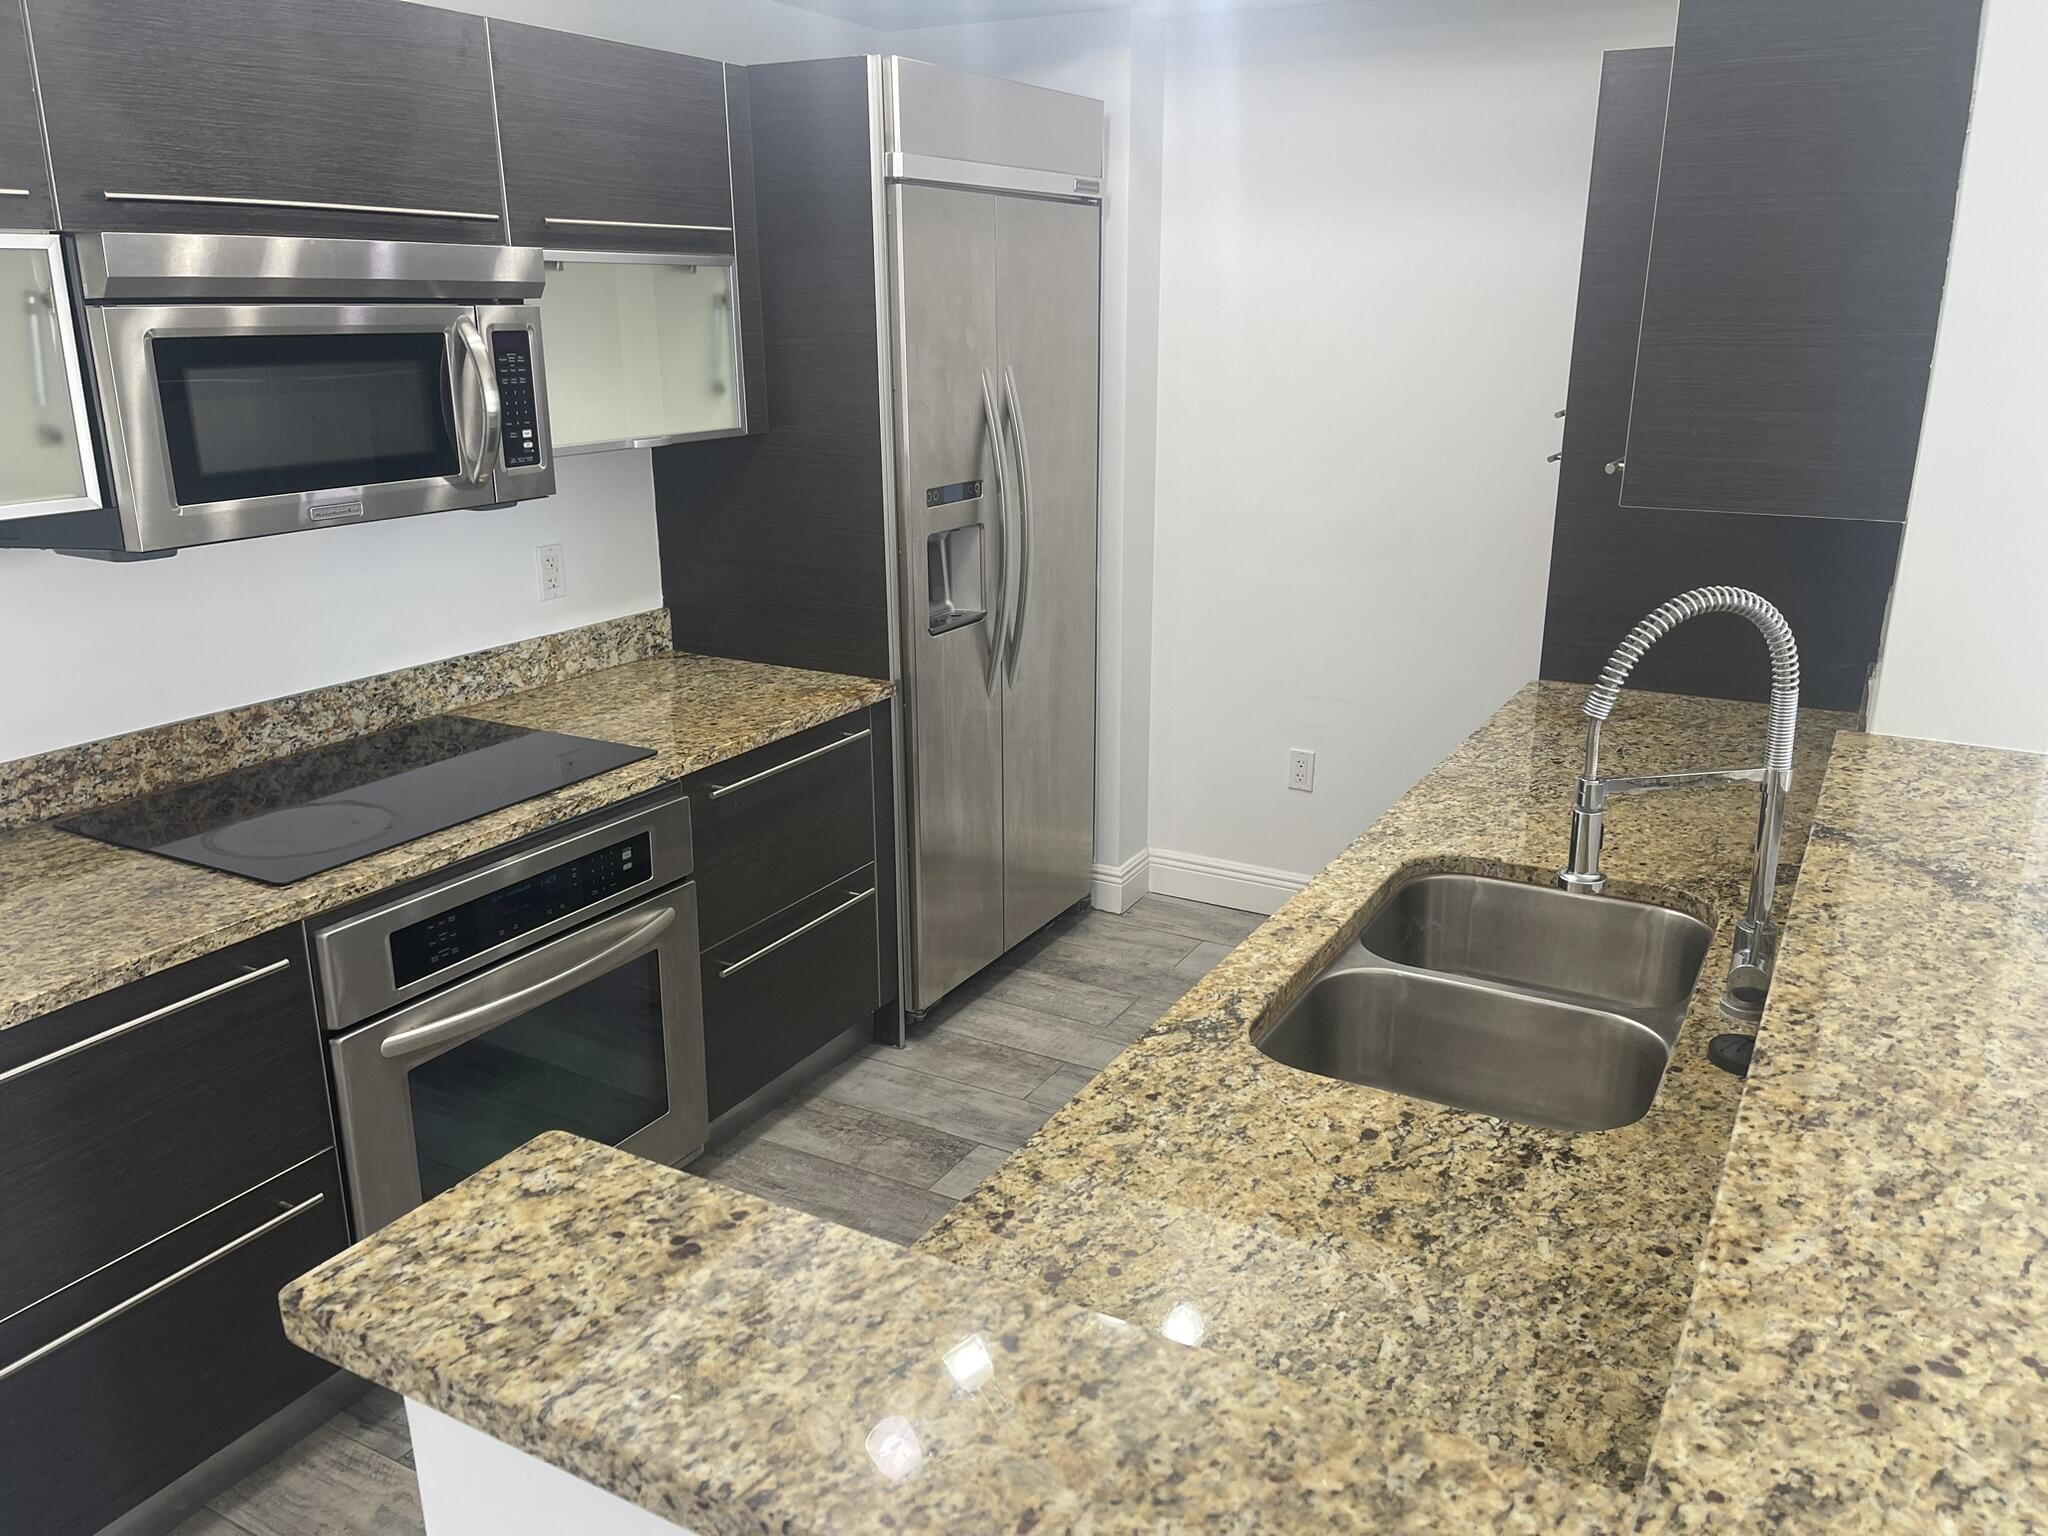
(698, 229)
(720, 790)
(148, 1018)
(212, 201)
(794, 934)
(119, 1307)
(13, 191)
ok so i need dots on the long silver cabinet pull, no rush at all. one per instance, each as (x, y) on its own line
(148, 1018)
(212, 201)
(994, 423)
(1024, 517)
(488, 1015)
(119, 1307)
(13, 191)
(794, 934)
(719, 791)
(699, 229)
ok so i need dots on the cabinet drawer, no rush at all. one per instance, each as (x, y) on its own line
(776, 825)
(129, 1114)
(781, 989)
(609, 146)
(162, 1371)
(358, 118)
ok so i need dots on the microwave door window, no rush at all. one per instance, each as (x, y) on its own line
(278, 414)
(590, 1061)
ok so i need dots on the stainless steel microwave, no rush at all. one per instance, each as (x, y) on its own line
(248, 385)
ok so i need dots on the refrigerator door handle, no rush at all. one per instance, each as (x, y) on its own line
(1025, 512)
(992, 423)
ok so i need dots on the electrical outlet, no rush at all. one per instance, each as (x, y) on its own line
(553, 583)
(1301, 769)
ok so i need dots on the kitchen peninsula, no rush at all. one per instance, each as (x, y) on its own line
(1402, 1317)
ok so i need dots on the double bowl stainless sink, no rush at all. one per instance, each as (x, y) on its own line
(1521, 1001)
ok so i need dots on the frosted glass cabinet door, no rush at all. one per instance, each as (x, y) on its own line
(639, 350)
(44, 465)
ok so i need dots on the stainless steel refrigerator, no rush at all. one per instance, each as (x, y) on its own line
(993, 215)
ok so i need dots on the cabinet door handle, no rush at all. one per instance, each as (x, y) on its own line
(213, 201)
(719, 791)
(479, 471)
(493, 1011)
(148, 1018)
(119, 1307)
(695, 229)
(794, 934)
(13, 191)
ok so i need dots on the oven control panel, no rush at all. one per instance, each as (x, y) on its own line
(519, 425)
(484, 922)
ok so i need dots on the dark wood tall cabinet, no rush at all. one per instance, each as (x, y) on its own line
(775, 548)
(24, 175)
(1757, 296)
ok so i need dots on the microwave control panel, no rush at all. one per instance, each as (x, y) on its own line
(437, 942)
(519, 425)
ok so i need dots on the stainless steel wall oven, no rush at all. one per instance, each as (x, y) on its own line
(555, 989)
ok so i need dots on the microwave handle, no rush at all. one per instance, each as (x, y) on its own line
(641, 934)
(485, 463)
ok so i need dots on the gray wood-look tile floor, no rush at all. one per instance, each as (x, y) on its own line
(887, 1141)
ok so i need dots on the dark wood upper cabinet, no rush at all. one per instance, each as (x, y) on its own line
(220, 115)
(1810, 160)
(1610, 564)
(609, 146)
(24, 177)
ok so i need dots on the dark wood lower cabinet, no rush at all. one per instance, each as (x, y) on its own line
(123, 1402)
(167, 1164)
(783, 988)
(134, 1111)
(773, 826)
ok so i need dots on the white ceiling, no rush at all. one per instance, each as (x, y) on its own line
(897, 15)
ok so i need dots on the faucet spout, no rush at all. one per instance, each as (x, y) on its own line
(1756, 936)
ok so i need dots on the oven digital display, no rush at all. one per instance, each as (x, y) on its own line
(422, 948)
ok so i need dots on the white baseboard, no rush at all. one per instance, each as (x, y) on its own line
(1118, 886)
(1220, 882)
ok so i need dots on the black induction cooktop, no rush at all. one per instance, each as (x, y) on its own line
(284, 820)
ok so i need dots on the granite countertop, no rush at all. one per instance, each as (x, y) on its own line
(1416, 1319)
(78, 917)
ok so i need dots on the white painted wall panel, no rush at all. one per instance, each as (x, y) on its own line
(1966, 646)
(1369, 244)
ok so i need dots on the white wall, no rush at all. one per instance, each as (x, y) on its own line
(1116, 57)
(96, 649)
(1369, 258)
(1966, 645)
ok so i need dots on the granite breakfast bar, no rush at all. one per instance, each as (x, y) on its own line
(1809, 1301)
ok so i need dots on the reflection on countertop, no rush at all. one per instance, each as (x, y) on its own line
(1345, 1310)
(1520, 1286)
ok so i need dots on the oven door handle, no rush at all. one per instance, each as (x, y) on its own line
(480, 469)
(640, 934)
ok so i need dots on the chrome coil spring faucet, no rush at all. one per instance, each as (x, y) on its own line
(1756, 936)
